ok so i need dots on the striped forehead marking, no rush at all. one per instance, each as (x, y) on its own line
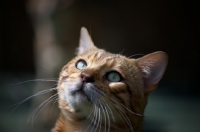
(101, 57)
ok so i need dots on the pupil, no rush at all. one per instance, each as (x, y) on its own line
(113, 76)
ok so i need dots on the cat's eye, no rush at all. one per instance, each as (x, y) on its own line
(81, 64)
(113, 76)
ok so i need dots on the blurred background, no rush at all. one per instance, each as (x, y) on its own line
(37, 37)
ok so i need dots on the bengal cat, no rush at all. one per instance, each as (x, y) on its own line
(105, 92)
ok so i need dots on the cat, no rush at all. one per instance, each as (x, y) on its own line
(106, 92)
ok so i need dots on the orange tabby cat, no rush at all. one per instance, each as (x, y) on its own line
(104, 92)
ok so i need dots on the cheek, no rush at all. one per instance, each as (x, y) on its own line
(67, 85)
(118, 87)
(74, 75)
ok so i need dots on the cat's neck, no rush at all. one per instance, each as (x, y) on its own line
(64, 124)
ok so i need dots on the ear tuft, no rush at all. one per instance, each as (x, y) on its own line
(85, 42)
(152, 67)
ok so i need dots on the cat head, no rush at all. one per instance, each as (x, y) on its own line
(112, 83)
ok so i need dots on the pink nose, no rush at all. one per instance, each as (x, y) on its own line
(87, 76)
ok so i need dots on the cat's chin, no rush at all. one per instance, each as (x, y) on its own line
(82, 94)
(79, 95)
(79, 98)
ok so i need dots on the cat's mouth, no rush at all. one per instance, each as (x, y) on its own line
(85, 92)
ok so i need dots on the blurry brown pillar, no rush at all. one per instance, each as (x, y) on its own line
(48, 57)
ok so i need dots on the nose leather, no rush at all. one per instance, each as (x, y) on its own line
(87, 76)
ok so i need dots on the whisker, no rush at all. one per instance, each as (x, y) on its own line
(46, 69)
(96, 121)
(122, 51)
(104, 116)
(120, 116)
(127, 108)
(37, 113)
(34, 80)
(136, 55)
(90, 113)
(97, 109)
(56, 99)
(108, 118)
(124, 115)
(126, 118)
(95, 116)
(110, 110)
(37, 94)
(40, 106)
(100, 119)
(93, 110)
(39, 109)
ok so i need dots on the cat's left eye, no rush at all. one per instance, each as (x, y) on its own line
(113, 76)
(81, 64)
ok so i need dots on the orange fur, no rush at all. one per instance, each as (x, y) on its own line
(111, 106)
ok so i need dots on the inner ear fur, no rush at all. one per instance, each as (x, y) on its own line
(85, 42)
(152, 67)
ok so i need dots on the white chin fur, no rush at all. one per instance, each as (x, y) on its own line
(76, 102)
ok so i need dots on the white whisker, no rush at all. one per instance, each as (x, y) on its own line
(124, 115)
(37, 94)
(97, 119)
(35, 111)
(101, 105)
(92, 113)
(56, 99)
(34, 80)
(88, 118)
(95, 116)
(108, 118)
(126, 118)
(100, 119)
(127, 108)
(122, 51)
(110, 110)
(136, 55)
(41, 108)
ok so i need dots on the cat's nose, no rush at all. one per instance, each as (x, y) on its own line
(87, 76)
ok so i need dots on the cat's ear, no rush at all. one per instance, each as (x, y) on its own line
(85, 42)
(152, 67)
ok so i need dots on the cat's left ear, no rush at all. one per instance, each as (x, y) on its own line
(85, 42)
(152, 67)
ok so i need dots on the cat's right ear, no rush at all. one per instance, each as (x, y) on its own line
(85, 42)
(152, 67)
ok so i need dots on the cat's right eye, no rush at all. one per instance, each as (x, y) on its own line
(81, 64)
(114, 76)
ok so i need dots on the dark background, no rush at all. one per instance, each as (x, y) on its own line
(133, 27)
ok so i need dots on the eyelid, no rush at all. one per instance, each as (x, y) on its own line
(81, 59)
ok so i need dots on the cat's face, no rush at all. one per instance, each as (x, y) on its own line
(97, 76)
(111, 84)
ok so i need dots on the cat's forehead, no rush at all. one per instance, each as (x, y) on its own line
(102, 57)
